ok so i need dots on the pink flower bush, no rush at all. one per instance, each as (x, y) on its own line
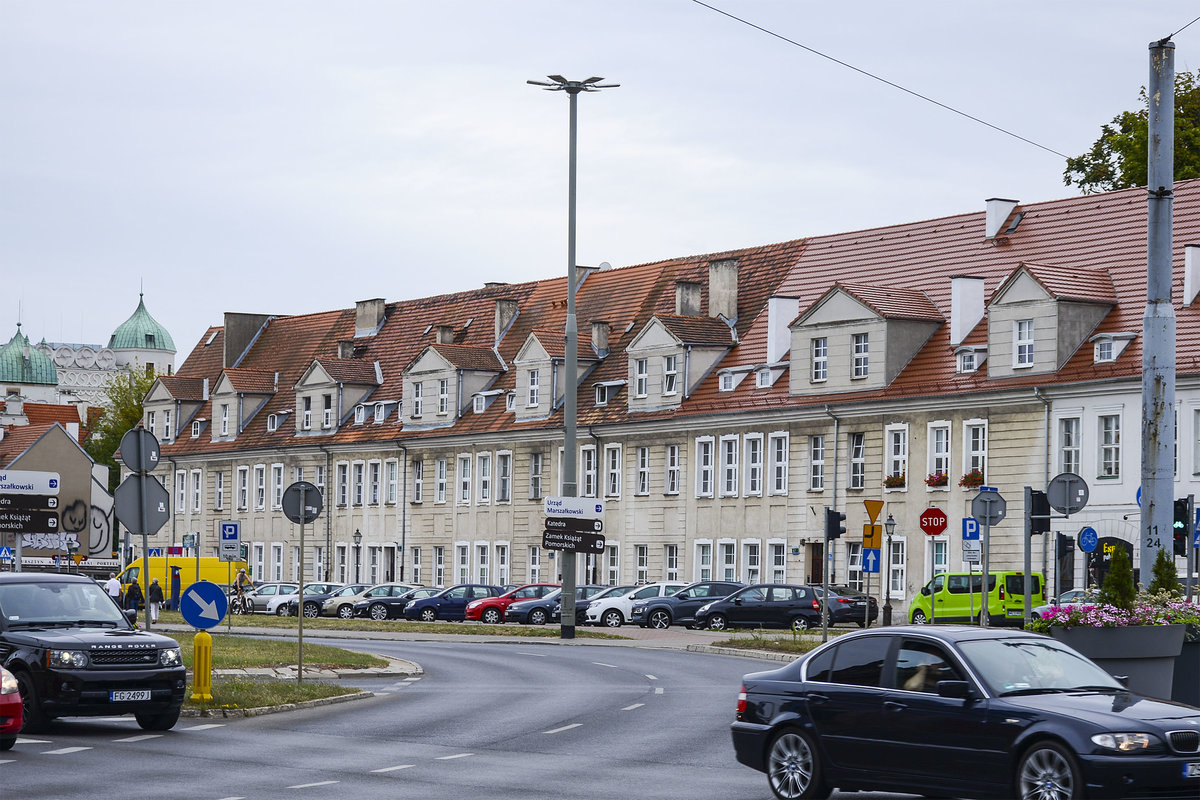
(1147, 610)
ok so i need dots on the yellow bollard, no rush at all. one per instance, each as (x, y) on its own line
(202, 667)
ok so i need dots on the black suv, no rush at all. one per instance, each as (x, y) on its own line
(680, 608)
(76, 654)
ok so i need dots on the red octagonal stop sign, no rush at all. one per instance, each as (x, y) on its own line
(933, 521)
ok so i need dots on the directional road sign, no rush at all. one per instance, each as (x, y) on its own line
(574, 524)
(590, 507)
(871, 537)
(142, 513)
(24, 481)
(203, 604)
(28, 502)
(230, 546)
(28, 521)
(870, 559)
(575, 542)
(970, 529)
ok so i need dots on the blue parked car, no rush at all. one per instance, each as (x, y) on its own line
(449, 603)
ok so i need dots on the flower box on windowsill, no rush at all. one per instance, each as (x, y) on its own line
(972, 480)
(937, 480)
(893, 481)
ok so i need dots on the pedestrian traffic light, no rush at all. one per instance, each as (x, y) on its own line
(1039, 512)
(1181, 528)
(835, 523)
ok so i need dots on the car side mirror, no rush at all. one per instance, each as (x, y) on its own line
(737, 602)
(925, 590)
(959, 689)
(1123, 680)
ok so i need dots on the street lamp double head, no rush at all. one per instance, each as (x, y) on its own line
(889, 527)
(561, 84)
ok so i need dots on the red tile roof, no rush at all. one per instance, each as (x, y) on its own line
(18, 439)
(183, 388)
(893, 302)
(251, 381)
(698, 330)
(350, 370)
(479, 358)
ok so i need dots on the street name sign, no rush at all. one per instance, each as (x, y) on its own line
(28, 521)
(23, 481)
(28, 502)
(574, 524)
(577, 542)
(588, 507)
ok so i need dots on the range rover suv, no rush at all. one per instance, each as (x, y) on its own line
(76, 654)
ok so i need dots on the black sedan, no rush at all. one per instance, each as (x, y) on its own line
(961, 711)
(680, 608)
(391, 606)
(449, 604)
(850, 605)
(763, 605)
(540, 610)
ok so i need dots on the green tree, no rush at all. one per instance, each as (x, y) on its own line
(1117, 160)
(1117, 588)
(1165, 579)
(126, 390)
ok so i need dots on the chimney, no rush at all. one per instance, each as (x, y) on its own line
(687, 299)
(600, 332)
(506, 312)
(240, 332)
(368, 316)
(205, 396)
(346, 349)
(999, 211)
(966, 306)
(723, 288)
(445, 334)
(14, 405)
(780, 313)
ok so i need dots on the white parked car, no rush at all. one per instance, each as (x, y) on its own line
(278, 604)
(613, 612)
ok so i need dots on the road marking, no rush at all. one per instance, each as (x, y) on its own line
(602, 664)
(457, 755)
(412, 678)
(564, 728)
(535, 655)
(658, 690)
(7, 760)
(233, 797)
(64, 751)
(311, 785)
(632, 707)
(21, 740)
(651, 677)
(141, 738)
(205, 727)
(393, 769)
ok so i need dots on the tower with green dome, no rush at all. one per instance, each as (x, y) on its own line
(27, 371)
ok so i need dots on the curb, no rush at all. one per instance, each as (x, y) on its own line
(237, 713)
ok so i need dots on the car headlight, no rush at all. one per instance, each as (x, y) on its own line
(473, 604)
(409, 604)
(703, 609)
(8, 683)
(68, 659)
(1126, 742)
(170, 657)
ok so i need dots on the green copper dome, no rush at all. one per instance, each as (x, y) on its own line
(22, 363)
(141, 332)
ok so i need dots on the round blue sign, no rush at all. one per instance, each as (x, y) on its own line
(1088, 540)
(203, 604)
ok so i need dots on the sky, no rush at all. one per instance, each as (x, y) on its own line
(289, 157)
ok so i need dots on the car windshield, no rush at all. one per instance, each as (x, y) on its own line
(1034, 666)
(612, 591)
(59, 605)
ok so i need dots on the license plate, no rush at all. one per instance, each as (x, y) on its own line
(1016, 612)
(129, 696)
(1191, 770)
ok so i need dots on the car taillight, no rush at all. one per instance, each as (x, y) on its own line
(816, 605)
(1002, 591)
(741, 703)
(844, 600)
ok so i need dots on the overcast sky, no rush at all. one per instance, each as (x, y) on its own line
(288, 157)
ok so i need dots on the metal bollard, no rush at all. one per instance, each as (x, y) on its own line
(202, 667)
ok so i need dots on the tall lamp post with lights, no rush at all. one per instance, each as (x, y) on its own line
(357, 555)
(560, 84)
(889, 527)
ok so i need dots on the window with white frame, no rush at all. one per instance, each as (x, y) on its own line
(243, 489)
(1103, 350)
(611, 563)
(727, 553)
(816, 463)
(601, 395)
(967, 361)
(510, 401)
(196, 429)
(415, 560)
(151, 422)
(939, 547)
(439, 566)
(975, 446)
(860, 362)
(319, 478)
(258, 553)
(418, 399)
(260, 486)
(897, 572)
(462, 563)
(380, 412)
(318, 566)
(357, 481)
(536, 464)
(612, 470)
(762, 379)
(726, 382)
(297, 474)
(483, 567)
(1110, 445)
(670, 374)
(277, 486)
(306, 415)
(777, 553)
(535, 565)
(373, 482)
(224, 419)
(504, 477)
(671, 478)
(219, 491)
(502, 564)
(777, 445)
(1023, 343)
(1068, 444)
(392, 480)
(858, 461)
(643, 470)
(751, 562)
(360, 414)
(295, 576)
(276, 561)
(641, 377)
(704, 561)
(896, 462)
(532, 395)
(854, 574)
(820, 359)
(343, 483)
(671, 563)
(327, 414)
(180, 489)
(939, 450)
(340, 565)
(729, 465)
(641, 555)
(272, 423)
(418, 470)
(704, 466)
(485, 478)
(439, 481)
(754, 465)
(443, 396)
(168, 429)
(464, 480)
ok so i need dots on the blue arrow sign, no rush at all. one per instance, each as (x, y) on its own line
(204, 604)
(970, 528)
(870, 559)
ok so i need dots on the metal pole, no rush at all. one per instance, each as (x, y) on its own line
(567, 621)
(1158, 322)
(1029, 552)
(985, 592)
(300, 596)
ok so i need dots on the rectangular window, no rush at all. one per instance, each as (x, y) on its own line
(357, 471)
(373, 482)
(482, 567)
(180, 489)
(754, 465)
(196, 429)
(504, 477)
(168, 430)
(276, 562)
(392, 478)
(339, 554)
(1068, 445)
(1110, 446)
(612, 470)
(777, 552)
(967, 361)
(306, 417)
(224, 420)
(418, 469)
(277, 486)
(439, 480)
(360, 413)
(861, 357)
(975, 442)
(464, 480)
(536, 462)
(897, 454)
(854, 573)
(643, 470)
(219, 491)
(535, 565)
(704, 467)
(418, 398)
(704, 563)
(641, 554)
(1104, 350)
(1023, 343)
(439, 566)
(327, 415)
(671, 478)
(297, 474)
(587, 469)
(670, 374)
(820, 359)
(150, 423)
(858, 461)
(443, 396)
(243, 488)
(897, 575)
(816, 462)
(778, 446)
(485, 478)
(751, 563)
(641, 377)
(260, 486)
(462, 566)
(939, 451)
(415, 554)
(343, 484)
(532, 398)
(671, 563)
(728, 558)
(729, 466)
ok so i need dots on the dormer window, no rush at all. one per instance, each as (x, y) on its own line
(306, 418)
(510, 401)
(380, 412)
(480, 404)
(327, 416)
(1023, 343)
(272, 423)
(443, 396)
(670, 374)
(360, 414)
(727, 383)
(196, 428)
(532, 399)
(966, 361)
(820, 359)
(1107, 347)
(168, 429)
(418, 399)
(860, 364)
(601, 395)
(641, 377)
(1104, 350)
(762, 379)
(225, 420)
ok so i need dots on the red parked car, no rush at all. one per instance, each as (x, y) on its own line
(11, 712)
(491, 609)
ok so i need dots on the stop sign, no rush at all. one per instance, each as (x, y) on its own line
(933, 521)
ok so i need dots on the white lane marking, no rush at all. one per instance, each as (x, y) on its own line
(651, 677)
(632, 707)
(234, 797)
(311, 785)
(141, 738)
(564, 728)
(205, 727)
(22, 740)
(412, 678)
(393, 769)
(658, 690)
(602, 664)
(7, 760)
(457, 755)
(62, 751)
(535, 655)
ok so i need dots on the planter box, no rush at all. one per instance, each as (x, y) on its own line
(1144, 653)
(1186, 688)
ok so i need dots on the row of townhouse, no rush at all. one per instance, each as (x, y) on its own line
(723, 402)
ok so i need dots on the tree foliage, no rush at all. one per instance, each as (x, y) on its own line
(1117, 588)
(1165, 579)
(1118, 159)
(126, 390)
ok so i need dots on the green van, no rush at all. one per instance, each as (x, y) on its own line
(958, 598)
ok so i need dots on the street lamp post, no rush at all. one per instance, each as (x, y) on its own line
(357, 556)
(571, 366)
(889, 526)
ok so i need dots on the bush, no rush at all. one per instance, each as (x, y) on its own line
(1165, 579)
(1118, 590)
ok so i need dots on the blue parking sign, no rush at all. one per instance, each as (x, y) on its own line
(970, 529)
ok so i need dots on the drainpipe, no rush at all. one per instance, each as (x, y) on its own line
(328, 512)
(1037, 392)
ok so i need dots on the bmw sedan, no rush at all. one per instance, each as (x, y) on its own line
(961, 711)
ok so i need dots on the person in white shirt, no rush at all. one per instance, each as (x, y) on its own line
(113, 587)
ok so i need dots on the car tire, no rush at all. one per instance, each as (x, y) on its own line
(659, 618)
(7, 742)
(918, 617)
(428, 615)
(1048, 770)
(717, 622)
(793, 770)
(35, 720)
(345, 611)
(157, 722)
(537, 617)
(491, 616)
(377, 612)
(281, 610)
(612, 618)
(311, 611)
(801, 624)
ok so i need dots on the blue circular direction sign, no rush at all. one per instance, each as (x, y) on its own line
(1088, 540)
(203, 604)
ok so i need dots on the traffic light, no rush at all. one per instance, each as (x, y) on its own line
(835, 523)
(244, 551)
(1181, 528)
(1039, 512)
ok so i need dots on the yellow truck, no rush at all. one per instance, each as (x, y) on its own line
(215, 570)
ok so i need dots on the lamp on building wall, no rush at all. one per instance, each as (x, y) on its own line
(889, 527)
(357, 555)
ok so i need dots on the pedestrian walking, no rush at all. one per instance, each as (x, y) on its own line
(133, 598)
(113, 587)
(155, 599)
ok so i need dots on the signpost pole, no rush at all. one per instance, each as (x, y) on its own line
(300, 598)
(142, 522)
(984, 592)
